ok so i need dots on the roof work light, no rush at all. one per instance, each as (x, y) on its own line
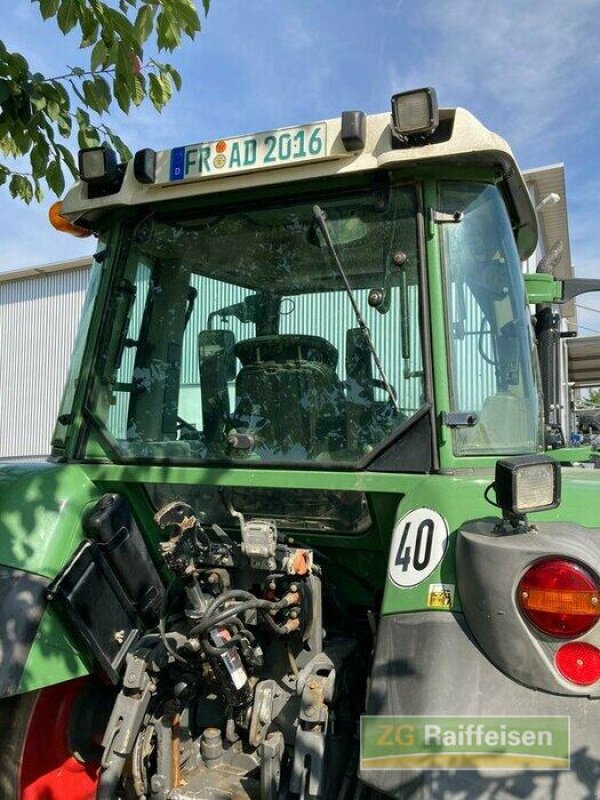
(98, 165)
(414, 114)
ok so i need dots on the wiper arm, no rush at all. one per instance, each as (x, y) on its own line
(320, 218)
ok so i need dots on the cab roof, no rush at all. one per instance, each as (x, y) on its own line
(460, 141)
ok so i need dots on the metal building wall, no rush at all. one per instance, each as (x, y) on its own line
(38, 321)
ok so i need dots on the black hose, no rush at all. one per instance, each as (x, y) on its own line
(250, 605)
(162, 625)
(232, 594)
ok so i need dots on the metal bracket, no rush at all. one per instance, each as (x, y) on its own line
(271, 751)
(459, 419)
(316, 683)
(125, 722)
(262, 712)
(445, 218)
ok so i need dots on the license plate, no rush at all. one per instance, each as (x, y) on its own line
(280, 148)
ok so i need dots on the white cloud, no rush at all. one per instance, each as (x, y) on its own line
(524, 61)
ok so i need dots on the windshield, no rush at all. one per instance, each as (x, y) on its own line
(491, 342)
(232, 336)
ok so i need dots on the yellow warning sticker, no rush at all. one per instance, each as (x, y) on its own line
(440, 595)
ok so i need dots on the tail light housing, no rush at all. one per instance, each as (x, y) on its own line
(559, 597)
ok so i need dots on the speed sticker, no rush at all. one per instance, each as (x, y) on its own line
(418, 545)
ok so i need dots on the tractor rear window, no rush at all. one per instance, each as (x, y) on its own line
(234, 337)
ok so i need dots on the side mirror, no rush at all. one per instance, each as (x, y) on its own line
(218, 345)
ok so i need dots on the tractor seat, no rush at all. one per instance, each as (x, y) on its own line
(288, 395)
(287, 347)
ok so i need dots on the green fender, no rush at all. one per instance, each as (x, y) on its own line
(41, 508)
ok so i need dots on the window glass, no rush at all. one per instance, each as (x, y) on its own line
(233, 337)
(489, 330)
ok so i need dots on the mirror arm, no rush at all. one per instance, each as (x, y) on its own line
(573, 287)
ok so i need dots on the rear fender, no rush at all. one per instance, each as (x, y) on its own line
(489, 566)
(41, 508)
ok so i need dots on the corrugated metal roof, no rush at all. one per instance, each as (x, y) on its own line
(553, 220)
(46, 269)
(584, 361)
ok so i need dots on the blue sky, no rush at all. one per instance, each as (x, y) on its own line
(530, 69)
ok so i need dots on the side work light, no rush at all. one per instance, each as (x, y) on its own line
(98, 165)
(527, 483)
(414, 114)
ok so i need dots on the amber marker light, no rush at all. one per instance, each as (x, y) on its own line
(63, 225)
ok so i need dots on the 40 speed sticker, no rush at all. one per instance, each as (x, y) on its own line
(419, 544)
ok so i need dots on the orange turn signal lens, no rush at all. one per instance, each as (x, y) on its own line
(63, 225)
(561, 602)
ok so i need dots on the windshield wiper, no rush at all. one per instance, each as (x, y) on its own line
(320, 218)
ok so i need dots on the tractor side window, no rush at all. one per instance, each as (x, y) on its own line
(489, 333)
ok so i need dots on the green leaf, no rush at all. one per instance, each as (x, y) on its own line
(77, 71)
(166, 87)
(156, 92)
(99, 56)
(175, 76)
(49, 8)
(122, 95)
(82, 117)
(38, 101)
(21, 187)
(97, 94)
(206, 4)
(168, 32)
(53, 110)
(122, 26)
(55, 178)
(187, 17)
(67, 15)
(39, 158)
(4, 91)
(68, 159)
(124, 152)
(65, 125)
(90, 24)
(125, 66)
(144, 23)
(139, 90)
(88, 137)
(103, 92)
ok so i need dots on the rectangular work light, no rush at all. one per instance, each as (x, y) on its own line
(98, 164)
(415, 113)
(527, 483)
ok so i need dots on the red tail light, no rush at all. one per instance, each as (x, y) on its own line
(560, 597)
(579, 662)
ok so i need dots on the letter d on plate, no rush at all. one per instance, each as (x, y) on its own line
(419, 544)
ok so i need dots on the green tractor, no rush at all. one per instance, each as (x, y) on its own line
(298, 488)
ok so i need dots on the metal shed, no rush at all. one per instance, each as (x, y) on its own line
(39, 314)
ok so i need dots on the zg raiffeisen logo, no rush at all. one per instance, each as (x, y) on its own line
(418, 743)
